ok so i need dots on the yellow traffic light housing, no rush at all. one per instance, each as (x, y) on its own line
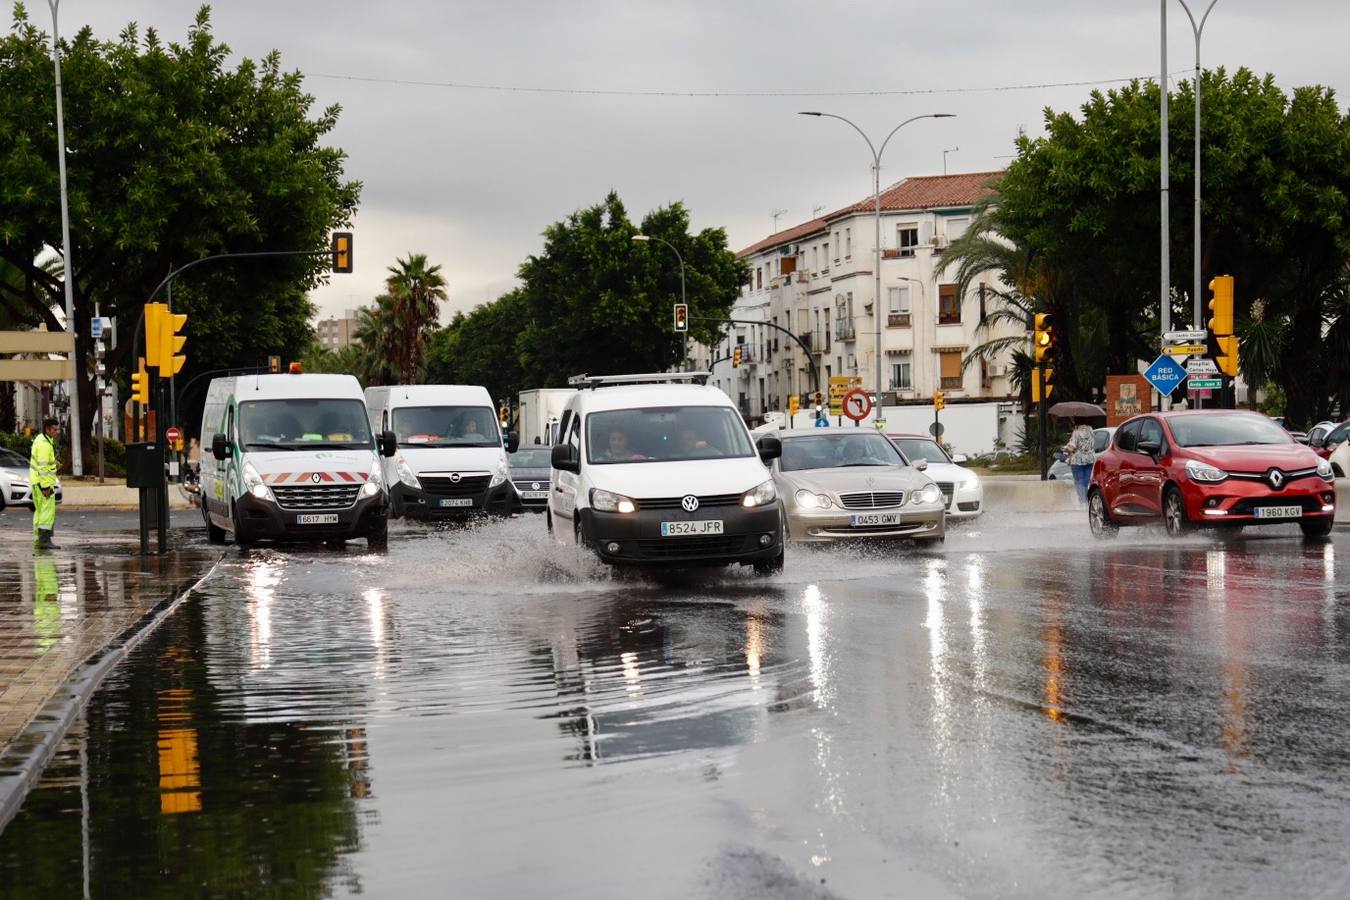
(681, 317)
(794, 404)
(140, 384)
(1036, 384)
(153, 331)
(736, 356)
(1043, 340)
(938, 401)
(1227, 359)
(171, 340)
(1221, 305)
(342, 251)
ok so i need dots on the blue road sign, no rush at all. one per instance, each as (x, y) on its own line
(1165, 374)
(96, 327)
(822, 423)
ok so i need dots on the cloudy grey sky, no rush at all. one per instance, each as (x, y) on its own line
(472, 177)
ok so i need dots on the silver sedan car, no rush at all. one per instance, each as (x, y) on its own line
(850, 484)
(14, 487)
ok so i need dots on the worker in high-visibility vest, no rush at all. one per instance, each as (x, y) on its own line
(42, 479)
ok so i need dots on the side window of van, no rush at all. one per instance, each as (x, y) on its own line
(229, 424)
(561, 433)
(384, 420)
(574, 439)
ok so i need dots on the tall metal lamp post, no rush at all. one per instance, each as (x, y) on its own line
(685, 335)
(1199, 30)
(876, 202)
(72, 386)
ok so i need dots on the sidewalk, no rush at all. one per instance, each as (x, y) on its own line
(66, 617)
(114, 494)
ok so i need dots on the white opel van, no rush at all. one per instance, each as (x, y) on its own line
(451, 458)
(292, 457)
(660, 470)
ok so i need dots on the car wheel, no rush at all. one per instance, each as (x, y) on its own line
(1174, 513)
(377, 537)
(214, 533)
(1317, 528)
(770, 566)
(1099, 520)
(241, 537)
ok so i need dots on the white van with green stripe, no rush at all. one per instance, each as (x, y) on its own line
(292, 458)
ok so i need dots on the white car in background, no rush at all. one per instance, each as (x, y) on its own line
(14, 487)
(1062, 471)
(960, 487)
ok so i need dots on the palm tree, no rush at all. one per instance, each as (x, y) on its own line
(415, 289)
(376, 334)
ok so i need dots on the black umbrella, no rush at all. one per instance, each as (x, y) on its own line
(1076, 409)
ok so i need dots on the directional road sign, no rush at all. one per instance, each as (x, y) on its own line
(1205, 384)
(857, 404)
(1165, 374)
(1185, 337)
(96, 327)
(1201, 367)
(1184, 349)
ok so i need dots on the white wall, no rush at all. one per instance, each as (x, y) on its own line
(968, 427)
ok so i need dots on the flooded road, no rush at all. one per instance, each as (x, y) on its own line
(1022, 712)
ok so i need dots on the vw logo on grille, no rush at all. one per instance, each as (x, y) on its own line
(314, 478)
(690, 503)
(535, 486)
(455, 477)
(1276, 478)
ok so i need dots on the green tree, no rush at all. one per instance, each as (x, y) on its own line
(173, 156)
(415, 290)
(481, 348)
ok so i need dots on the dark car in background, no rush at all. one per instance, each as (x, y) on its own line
(531, 470)
(1209, 468)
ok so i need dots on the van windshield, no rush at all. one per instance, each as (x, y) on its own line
(445, 426)
(666, 434)
(304, 424)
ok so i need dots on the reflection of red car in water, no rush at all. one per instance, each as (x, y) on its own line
(1215, 468)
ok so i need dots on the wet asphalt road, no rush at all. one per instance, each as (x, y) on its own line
(1022, 713)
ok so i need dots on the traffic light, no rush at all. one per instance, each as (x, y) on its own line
(140, 385)
(1036, 384)
(736, 356)
(681, 317)
(274, 364)
(503, 415)
(794, 404)
(1221, 305)
(1043, 342)
(171, 340)
(938, 401)
(1227, 356)
(153, 331)
(342, 251)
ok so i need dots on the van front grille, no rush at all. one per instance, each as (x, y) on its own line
(872, 499)
(466, 486)
(316, 496)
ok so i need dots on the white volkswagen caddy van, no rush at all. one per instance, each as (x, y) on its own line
(292, 457)
(660, 470)
(451, 459)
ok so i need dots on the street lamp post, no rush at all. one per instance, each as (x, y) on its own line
(72, 386)
(1198, 29)
(876, 202)
(684, 336)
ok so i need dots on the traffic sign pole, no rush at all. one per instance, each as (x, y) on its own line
(1045, 463)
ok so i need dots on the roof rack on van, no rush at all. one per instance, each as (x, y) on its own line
(596, 381)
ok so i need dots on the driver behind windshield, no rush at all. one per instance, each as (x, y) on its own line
(859, 452)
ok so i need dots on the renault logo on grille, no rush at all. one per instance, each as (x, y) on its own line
(1276, 478)
(455, 477)
(689, 503)
(314, 478)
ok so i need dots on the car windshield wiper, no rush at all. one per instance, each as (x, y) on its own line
(269, 445)
(329, 445)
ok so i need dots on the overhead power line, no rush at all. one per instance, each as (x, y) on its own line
(618, 92)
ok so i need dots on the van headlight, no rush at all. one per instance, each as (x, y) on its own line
(255, 485)
(607, 501)
(374, 481)
(929, 493)
(1324, 470)
(405, 473)
(500, 475)
(807, 500)
(760, 495)
(1200, 471)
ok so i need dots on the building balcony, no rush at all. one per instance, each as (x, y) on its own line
(952, 383)
(898, 320)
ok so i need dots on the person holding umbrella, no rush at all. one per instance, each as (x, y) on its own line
(1080, 456)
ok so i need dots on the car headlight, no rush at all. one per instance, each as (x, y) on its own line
(807, 500)
(1200, 471)
(929, 493)
(374, 482)
(607, 501)
(405, 473)
(500, 475)
(254, 483)
(760, 495)
(1324, 469)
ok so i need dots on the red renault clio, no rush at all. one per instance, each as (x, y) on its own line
(1215, 468)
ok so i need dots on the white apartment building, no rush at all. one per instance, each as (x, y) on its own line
(816, 279)
(335, 333)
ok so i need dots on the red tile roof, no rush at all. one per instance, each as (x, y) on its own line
(921, 192)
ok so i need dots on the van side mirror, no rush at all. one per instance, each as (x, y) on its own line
(562, 460)
(220, 448)
(388, 443)
(770, 448)
(512, 442)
